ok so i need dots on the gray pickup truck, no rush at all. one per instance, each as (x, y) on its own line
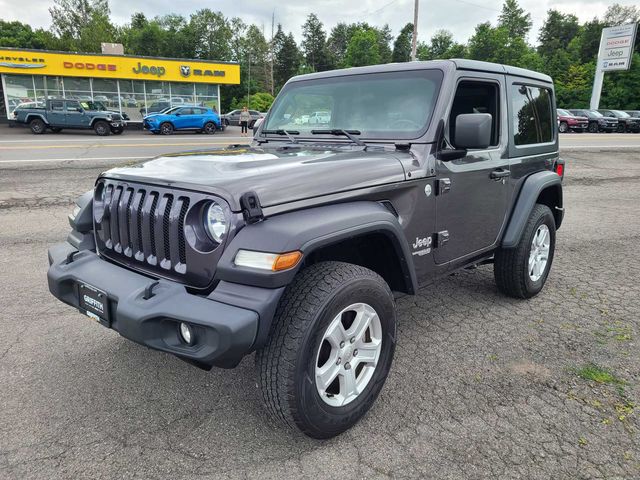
(294, 247)
(59, 114)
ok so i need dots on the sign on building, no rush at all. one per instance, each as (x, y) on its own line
(616, 47)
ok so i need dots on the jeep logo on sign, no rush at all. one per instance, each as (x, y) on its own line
(147, 70)
(185, 70)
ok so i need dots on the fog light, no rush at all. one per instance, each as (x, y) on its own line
(186, 333)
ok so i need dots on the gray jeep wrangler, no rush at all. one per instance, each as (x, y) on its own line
(294, 247)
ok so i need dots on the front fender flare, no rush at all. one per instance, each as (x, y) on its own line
(308, 230)
(533, 186)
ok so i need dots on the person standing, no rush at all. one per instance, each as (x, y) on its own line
(245, 118)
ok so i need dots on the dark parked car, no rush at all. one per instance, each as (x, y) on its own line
(62, 113)
(633, 113)
(293, 246)
(626, 123)
(568, 122)
(597, 121)
(200, 119)
(233, 118)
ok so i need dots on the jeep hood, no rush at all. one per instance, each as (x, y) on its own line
(278, 175)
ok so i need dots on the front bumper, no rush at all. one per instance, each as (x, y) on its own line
(224, 333)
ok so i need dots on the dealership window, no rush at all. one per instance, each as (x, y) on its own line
(19, 89)
(158, 94)
(207, 95)
(132, 99)
(182, 93)
(533, 119)
(77, 88)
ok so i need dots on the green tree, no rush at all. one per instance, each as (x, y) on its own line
(20, 35)
(363, 49)
(514, 20)
(82, 24)
(618, 14)
(338, 42)
(314, 44)
(557, 32)
(402, 45)
(286, 57)
(211, 34)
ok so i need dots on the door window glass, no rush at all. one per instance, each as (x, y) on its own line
(57, 106)
(476, 97)
(532, 115)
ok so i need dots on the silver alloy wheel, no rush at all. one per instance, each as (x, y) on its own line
(348, 354)
(539, 253)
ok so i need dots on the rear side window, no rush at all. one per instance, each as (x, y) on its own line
(533, 119)
(57, 106)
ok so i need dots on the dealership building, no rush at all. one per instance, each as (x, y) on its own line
(127, 84)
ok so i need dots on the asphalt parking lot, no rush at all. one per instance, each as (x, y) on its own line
(482, 386)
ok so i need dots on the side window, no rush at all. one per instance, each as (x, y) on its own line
(73, 107)
(57, 106)
(185, 111)
(532, 115)
(477, 97)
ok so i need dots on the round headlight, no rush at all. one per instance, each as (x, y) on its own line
(215, 222)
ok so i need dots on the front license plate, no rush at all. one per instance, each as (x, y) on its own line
(94, 302)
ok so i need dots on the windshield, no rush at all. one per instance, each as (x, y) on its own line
(378, 105)
(596, 114)
(564, 113)
(620, 114)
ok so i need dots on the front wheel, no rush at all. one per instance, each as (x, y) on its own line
(209, 128)
(521, 272)
(593, 127)
(56, 129)
(166, 128)
(564, 127)
(621, 128)
(117, 131)
(101, 128)
(329, 350)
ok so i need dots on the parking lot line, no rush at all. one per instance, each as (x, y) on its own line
(110, 145)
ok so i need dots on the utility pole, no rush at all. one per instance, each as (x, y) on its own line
(414, 41)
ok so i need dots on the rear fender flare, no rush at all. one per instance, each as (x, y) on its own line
(33, 116)
(531, 190)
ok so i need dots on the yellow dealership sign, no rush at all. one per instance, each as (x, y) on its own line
(40, 62)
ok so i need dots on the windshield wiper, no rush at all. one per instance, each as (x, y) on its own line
(350, 134)
(289, 133)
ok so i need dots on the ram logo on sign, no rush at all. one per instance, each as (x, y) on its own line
(616, 47)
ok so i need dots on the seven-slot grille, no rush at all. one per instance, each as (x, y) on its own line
(144, 227)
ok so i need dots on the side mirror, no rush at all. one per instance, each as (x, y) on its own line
(473, 130)
(256, 125)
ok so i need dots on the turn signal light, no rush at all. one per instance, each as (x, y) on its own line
(275, 262)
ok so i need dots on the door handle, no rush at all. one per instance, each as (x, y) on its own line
(499, 173)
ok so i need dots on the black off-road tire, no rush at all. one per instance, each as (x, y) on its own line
(37, 126)
(117, 130)
(56, 129)
(510, 267)
(286, 364)
(102, 128)
(166, 128)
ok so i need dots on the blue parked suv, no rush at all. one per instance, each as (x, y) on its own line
(201, 119)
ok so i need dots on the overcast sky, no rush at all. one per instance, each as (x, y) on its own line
(458, 16)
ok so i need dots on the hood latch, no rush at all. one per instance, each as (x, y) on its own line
(251, 209)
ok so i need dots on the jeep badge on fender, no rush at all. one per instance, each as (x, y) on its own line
(296, 246)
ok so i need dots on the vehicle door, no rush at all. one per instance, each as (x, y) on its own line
(472, 192)
(182, 118)
(75, 116)
(56, 114)
(234, 118)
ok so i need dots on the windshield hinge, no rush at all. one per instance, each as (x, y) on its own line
(251, 209)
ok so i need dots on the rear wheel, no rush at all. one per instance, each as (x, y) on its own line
(209, 128)
(564, 128)
(56, 129)
(521, 272)
(37, 126)
(101, 128)
(329, 350)
(166, 128)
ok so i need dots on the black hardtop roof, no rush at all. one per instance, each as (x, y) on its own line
(445, 65)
